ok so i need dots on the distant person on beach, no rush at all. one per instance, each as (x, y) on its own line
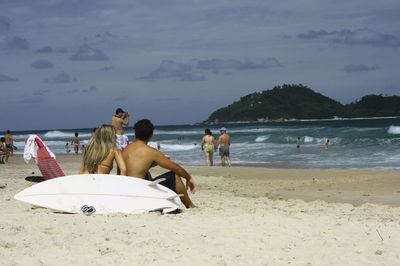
(208, 145)
(4, 154)
(140, 157)
(76, 142)
(9, 143)
(101, 151)
(158, 145)
(298, 143)
(83, 148)
(327, 144)
(67, 149)
(224, 142)
(118, 121)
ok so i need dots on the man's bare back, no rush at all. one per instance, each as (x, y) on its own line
(117, 123)
(139, 158)
(224, 140)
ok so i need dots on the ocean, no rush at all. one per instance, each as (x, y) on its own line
(355, 144)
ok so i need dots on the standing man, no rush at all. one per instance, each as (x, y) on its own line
(9, 143)
(140, 157)
(224, 141)
(298, 143)
(76, 143)
(120, 119)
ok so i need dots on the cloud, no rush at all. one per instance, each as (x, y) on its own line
(62, 77)
(14, 43)
(169, 69)
(40, 92)
(5, 78)
(364, 36)
(194, 71)
(42, 64)
(51, 50)
(31, 100)
(87, 53)
(361, 68)
(217, 65)
(5, 25)
(107, 68)
(88, 90)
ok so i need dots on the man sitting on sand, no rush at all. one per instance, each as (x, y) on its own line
(139, 158)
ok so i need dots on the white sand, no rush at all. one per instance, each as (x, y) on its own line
(248, 216)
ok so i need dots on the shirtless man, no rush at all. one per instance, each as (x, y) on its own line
(140, 157)
(9, 143)
(120, 119)
(76, 143)
(224, 141)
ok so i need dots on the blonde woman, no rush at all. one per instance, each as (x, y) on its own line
(101, 151)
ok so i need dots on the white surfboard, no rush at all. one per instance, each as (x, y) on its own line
(98, 193)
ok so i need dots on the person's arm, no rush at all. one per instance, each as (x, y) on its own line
(125, 121)
(166, 163)
(120, 162)
(202, 143)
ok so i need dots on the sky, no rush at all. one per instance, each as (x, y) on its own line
(71, 63)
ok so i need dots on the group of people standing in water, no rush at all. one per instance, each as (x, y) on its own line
(109, 143)
(209, 145)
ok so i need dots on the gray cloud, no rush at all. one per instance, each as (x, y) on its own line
(40, 92)
(107, 68)
(169, 69)
(193, 71)
(62, 77)
(31, 100)
(5, 25)
(193, 76)
(360, 68)
(354, 37)
(5, 78)
(88, 90)
(87, 53)
(50, 50)
(14, 43)
(217, 65)
(42, 64)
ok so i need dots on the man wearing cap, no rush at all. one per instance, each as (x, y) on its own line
(120, 119)
(224, 141)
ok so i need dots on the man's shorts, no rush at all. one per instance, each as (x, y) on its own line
(122, 142)
(169, 182)
(223, 151)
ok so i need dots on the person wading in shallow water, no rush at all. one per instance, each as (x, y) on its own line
(208, 145)
(140, 157)
(224, 141)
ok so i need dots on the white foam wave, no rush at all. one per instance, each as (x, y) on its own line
(61, 134)
(308, 139)
(394, 130)
(262, 138)
(175, 147)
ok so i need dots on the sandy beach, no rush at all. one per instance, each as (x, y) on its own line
(247, 216)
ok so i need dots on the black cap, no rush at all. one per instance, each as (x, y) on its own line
(119, 110)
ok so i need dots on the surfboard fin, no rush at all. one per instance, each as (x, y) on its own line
(174, 196)
(155, 182)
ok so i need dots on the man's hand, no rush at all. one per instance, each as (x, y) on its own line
(191, 184)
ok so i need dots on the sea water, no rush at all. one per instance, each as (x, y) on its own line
(355, 144)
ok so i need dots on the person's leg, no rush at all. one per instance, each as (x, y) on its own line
(211, 154)
(229, 161)
(206, 158)
(7, 156)
(181, 189)
(223, 160)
